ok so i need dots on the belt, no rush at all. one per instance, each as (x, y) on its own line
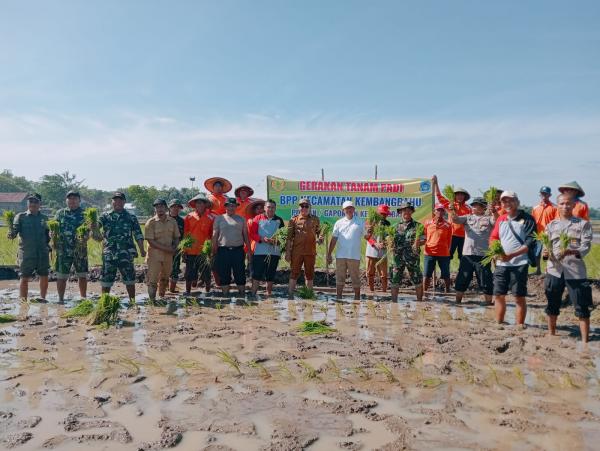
(231, 248)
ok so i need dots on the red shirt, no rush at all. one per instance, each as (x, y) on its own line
(438, 236)
(544, 213)
(459, 209)
(200, 228)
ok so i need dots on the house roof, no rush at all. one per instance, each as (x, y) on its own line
(12, 197)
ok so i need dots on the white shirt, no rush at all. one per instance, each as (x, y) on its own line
(348, 232)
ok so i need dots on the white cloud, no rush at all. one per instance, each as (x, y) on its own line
(520, 153)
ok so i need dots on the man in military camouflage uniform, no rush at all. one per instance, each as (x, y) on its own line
(175, 208)
(32, 228)
(71, 249)
(406, 253)
(119, 228)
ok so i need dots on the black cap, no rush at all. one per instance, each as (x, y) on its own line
(36, 197)
(405, 205)
(118, 195)
(174, 202)
(479, 200)
(231, 201)
(73, 193)
(159, 202)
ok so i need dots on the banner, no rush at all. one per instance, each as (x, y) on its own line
(326, 197)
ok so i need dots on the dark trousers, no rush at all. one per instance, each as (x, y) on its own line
(457, 245)
(228, 260)
(470, 264)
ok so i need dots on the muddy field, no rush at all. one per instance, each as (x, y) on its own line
(221, 374)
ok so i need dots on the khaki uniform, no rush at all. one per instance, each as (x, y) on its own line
(160, 263)
(303, 233)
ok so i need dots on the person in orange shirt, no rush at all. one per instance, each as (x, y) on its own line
(543, 213)
(242, 195)
(255, 208)
(199, 225)
(217, 186)
(460, 208)
(438, 238)
(581, 209)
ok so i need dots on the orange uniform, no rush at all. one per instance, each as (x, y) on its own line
(218, 203)
(438, 237)
(241, 209)
(581, 210)
(200, 228)
(459, 209)
(544, 213)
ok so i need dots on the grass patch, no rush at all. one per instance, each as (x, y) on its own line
(6, 318)
(84, 308)
(315, 328)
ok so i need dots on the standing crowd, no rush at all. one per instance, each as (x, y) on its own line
(222, 235)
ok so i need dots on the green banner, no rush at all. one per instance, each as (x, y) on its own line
(327, 197)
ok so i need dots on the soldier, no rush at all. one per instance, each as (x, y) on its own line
(566, 267)
(175, 208)
(32, 228)
(72, 246)
(406, 253)
(162, 235)
(218, 187)
(119, 230)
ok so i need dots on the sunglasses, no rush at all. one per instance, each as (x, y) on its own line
(304, 206)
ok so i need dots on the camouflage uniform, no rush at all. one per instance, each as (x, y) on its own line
(405, 256)
(118, 252)
(175, 270)
(34, 239)
(71, 250)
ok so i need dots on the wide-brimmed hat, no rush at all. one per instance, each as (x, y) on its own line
(175, 202)
(252, 206)
(572, 185)
(241, 187)
(479, 200)
(200, 197)
(209, 183)
(464, 191)
(404, 206)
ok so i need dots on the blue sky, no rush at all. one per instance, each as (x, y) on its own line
(151, 92)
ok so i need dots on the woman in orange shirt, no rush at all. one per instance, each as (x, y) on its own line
(217, 187)
(242, 195)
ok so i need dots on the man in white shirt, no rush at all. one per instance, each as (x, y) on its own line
(347, 234)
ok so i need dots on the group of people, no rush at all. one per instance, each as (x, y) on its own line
(222, 234)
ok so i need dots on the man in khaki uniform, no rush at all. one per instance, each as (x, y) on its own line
(162, 234)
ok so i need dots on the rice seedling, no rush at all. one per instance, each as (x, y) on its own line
(445, 314)
(326, 229)
(431, 382)
(280, 237)
(9, 218)
(129, 363)
(323, 308)
(106, 311)
(568, 382)
(384, 369)
(494, 251)
(340, 310)
(373, 218)
(230, 360)
(490, 195)
(306, 293)
(467, 370)
(81, 232)
(541, 376)
(218, 306)
(310, 371)
(362, 373)
(84, 308)
(448, 192)
(334, 368)
(263, 371)
(207, 248)
(544, 239)
(419, 234)
(308, 307)
(6, 318)
(355, 306)
(187, 242)
(564, 242)
(519, 375)
(90, 217)
(494, 374)
(315, 328)
(285, 371)
(54, 227)
(372, 308)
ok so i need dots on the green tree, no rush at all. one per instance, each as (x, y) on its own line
(11, 184)
(143, 198)
(55, 187)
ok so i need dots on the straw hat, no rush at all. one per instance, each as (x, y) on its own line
(209, 183)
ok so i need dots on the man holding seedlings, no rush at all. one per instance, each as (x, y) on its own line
(217, 187)
(438, 237)
(459, 204)
(198, 225)
(571, 239)
(543, 213)
(375, 250)
(347, 234)
(72, 246)
(34, 237)
(175, 208)
(407, 246)
(478, 227)
(162, 235)
(230, 234)
(301, 245)
(118, 229)
(515, 231)
(267, 250)
(581, 209)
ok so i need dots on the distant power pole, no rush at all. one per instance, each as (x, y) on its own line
(192, 180)
(322, 174)
(375, 172)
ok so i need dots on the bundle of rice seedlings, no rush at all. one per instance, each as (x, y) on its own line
(90, 217)
(6, 318)
(448, 192)
(315, 328)
(207, 248)
(306, 293)
(54, 227)
(373, 218)
(9, 217)
(490, 195)
(326, 229)
(84, 308)
(106, 311)
(81, 231)
(186, 243)
(494, 251)
(564, 242)
(419, 233)
(280, 237)
(543, 238)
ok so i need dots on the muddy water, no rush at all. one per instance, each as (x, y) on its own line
(236, 374)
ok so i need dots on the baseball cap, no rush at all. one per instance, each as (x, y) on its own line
(545, 190)
(118, 195)
(36, 197)
(159, 202)
(347, 204)
(73, 193)
(231, 201)
(304, 200)
(509, 194)
(439, 207)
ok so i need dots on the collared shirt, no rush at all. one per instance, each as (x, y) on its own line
(260, 227)
(544, 213)
(303, 232)
(438, 236)
(580, 235)
(32, 231)
(459, 209)
(229, 230)
(524, 226)
(218, 203)
(349, 233)
(119, 229)
(164, 232)
(69, 220)
(200, 228)
(477, 233)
